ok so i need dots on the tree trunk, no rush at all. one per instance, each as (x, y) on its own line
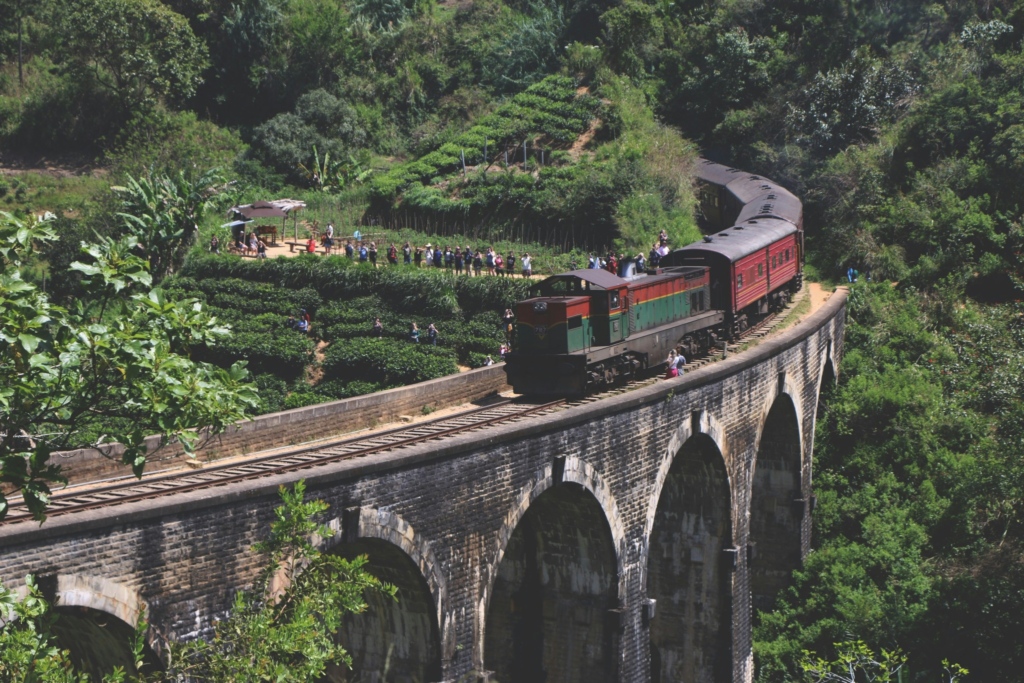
(21, 77)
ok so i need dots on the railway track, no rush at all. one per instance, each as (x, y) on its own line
(119, 492)
(93, 496)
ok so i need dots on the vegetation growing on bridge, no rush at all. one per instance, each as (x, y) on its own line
(282, 629)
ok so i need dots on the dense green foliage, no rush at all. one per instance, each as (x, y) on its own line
(112, 367)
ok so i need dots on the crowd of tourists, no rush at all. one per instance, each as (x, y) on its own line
(460, 260)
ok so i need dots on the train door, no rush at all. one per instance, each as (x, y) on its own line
(618, 321)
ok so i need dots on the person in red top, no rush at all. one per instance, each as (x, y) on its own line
(393, 255)
(311, 245)
(613, 264)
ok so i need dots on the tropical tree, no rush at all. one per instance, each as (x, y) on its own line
(140, 50)
(163, 213)
(113, 367)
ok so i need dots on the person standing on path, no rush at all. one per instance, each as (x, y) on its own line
(527, 266)
(329, 237)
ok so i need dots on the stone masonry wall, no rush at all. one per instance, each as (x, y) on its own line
(297, 425)
(454, 505)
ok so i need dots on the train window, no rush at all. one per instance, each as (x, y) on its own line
(787, 255)
(575, 322)
(775, 263)
(697, 302)
(760, 270)
(739, 281)
(615, 300)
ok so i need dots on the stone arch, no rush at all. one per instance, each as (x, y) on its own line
(778, 502)
(574, 470)
(690, 558)
(392, 641)
(700, 422)
(550, 611)
(97, 620)
(100, 594)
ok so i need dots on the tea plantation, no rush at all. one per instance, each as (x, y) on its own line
(340, 357)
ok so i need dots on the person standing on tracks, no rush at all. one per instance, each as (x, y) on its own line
(680, 363)
(672, 370)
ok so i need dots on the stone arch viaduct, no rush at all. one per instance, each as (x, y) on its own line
(628, 539)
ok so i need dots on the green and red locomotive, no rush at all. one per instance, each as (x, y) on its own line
(587, 329)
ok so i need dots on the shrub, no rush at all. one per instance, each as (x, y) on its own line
(386, 362)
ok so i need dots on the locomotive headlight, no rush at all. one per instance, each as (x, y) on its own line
(540, 307)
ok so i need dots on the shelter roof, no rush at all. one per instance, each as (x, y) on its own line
(277, 208)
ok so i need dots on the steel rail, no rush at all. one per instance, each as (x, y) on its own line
(317, 455)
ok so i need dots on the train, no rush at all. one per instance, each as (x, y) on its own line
(585, 330)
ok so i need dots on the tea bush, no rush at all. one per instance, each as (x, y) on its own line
(386, 362)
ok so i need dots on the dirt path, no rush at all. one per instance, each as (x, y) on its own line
(819, 295)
